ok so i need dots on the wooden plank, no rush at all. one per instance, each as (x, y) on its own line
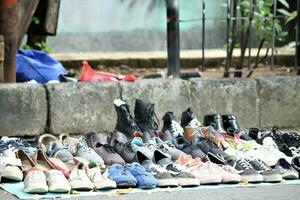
(9, 28)
(1, 48)
(1, 58)
(26, 10)
(51, 19)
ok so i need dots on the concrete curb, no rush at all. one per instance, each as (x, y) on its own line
(83, 107)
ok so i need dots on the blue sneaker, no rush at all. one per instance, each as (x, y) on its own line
(121, 176)
(144, 178)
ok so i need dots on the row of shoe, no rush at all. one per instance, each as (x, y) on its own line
(220, 140)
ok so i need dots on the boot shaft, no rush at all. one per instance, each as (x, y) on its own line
(214, 120)
(230, 121)
(186, 117)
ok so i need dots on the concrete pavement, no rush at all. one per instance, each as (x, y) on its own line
(274, 192)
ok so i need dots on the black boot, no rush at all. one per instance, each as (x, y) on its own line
(230, 121)
(125, 122)
(144, 117)
(214, 120)
(188, 118)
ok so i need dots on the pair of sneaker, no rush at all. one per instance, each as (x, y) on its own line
(99, 142)
(254, 170)
(161, 166)
(16, 144)
(132, 175)
(209, 173)
(66, 148)
(37, 181)
(88, 176)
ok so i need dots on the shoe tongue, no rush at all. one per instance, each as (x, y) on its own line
(147, 163)
(164, 161)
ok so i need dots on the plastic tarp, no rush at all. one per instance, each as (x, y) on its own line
(38, 66)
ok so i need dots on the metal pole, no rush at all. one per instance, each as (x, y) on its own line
(249, 36)
(9, 29)
(297, 60)
(173, 38)
(227, 66)
(273, 34)
(203, 35)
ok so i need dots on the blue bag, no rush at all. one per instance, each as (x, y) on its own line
(37, 65)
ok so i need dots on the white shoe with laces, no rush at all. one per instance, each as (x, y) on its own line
(35, 182)
(78, 178)
(57, 182)
(100, 181)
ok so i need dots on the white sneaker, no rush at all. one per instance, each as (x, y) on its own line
(35, 182)
(57, 182)
(101, 182)
(10, 166)
(254, 150)
(78, 178)
(270, 144)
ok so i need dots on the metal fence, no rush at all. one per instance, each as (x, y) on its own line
(173, 35)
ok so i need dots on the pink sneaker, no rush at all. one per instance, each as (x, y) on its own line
(228, 173)
(199, 169)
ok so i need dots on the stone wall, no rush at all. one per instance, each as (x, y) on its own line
(81, 107)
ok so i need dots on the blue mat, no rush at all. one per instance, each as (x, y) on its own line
(17, 190)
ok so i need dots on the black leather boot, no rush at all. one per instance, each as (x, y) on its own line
(144, 117)
(216, 121)
(230, 121)
(125, 122)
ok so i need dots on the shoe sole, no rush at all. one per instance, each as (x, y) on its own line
(253, 179)
(36, 189)
(210, 180)
(107, 186)
(167, 183)
(81, 185)
(147, 186)
(188, 182)
(59, 189)
(127, 184)
(273, 178)
(232, 179)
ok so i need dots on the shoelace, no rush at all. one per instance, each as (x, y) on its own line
(96, 175)
(83, 145)
(245, 164)
(35, 176)
(150, 114)
(295, 151)
(109, 148)
(261, 164)
(176, 129)
(129, 117)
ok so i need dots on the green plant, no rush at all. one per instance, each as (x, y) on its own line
(42, 46)
(257, 17)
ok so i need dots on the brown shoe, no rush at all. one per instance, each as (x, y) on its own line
(43, 163)
(27, 162)
(189, 134)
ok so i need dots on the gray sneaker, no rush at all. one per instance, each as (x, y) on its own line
(286, 170)
(168, 148)
(82, 150)
(163, 177)
(56, 149)
(122, 146)
(98, 142)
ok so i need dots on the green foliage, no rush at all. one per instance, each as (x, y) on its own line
(43, 46)
(262, 11)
